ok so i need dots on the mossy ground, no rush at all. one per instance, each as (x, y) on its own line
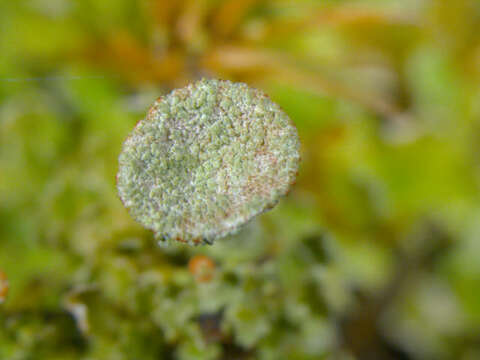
(374, 253)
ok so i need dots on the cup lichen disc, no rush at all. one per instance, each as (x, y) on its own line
(206, 159)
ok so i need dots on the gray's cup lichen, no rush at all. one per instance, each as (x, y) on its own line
(206, 159)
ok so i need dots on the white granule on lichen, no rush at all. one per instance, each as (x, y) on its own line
(206, 159)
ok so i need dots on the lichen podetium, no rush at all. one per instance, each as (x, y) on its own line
(206, 159)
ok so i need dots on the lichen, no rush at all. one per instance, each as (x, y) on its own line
(206, 159)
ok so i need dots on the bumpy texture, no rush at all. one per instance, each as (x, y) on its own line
(206, 159)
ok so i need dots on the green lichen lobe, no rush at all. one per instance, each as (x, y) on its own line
(207, 159)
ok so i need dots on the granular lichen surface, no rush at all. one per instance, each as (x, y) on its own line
(206, 159)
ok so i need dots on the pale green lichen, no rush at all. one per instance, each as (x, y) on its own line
(206, 159)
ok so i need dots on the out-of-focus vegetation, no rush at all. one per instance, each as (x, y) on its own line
(373, 255)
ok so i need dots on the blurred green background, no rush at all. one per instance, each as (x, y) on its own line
(373, 255)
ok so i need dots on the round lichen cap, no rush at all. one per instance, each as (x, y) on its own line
(207, 159)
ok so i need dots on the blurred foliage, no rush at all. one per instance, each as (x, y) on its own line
(373, 255)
